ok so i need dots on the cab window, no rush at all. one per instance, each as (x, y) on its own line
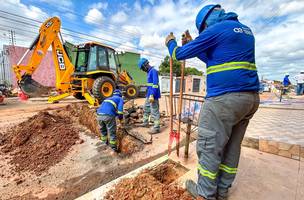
(102, 59)
(112, 60)
(81, 64)
(92, 60)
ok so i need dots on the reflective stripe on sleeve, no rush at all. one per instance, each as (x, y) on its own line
(119, 112)
(231, 66)
(155, 86)
(174, 53)
(112, 102)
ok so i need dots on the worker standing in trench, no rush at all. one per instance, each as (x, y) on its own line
(227, 47)
(106, 115)
(153, 94)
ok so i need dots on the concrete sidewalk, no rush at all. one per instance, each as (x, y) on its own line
(261, 176)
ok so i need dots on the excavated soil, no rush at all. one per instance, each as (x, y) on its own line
(40, 142)
(87, 117)
(153, 184)
(44, 139)
(168, 172)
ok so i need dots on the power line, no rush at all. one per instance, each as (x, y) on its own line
(159, 56)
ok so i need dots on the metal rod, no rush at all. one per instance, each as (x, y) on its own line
(180, 104)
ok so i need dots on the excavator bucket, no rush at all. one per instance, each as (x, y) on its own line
(31, 87)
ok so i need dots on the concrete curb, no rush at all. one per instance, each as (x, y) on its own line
(292, 151)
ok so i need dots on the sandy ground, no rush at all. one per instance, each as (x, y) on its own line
(86, 167)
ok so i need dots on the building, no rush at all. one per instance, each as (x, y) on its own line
(128, 61)
(192, 84)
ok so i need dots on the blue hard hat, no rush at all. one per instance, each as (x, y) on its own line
(117, 92)
(141, 62)
(203, 15)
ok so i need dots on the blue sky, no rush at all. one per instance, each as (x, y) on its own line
(141, 26)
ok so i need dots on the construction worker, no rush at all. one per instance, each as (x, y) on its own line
(286, 83)
(153, 94)
(300, 83)
(227, 48)
(110, 108)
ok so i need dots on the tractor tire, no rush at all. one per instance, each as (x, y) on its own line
(131, 92)
(79, 96)
(103, 87)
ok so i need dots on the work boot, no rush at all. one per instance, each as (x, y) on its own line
(221, 198)
(222, 194)
(146, 125)
(154, 131)
(115, 149)
(192, 188)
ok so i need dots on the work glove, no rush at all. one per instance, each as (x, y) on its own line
(169, 38)
(186, 37)
(151, 98)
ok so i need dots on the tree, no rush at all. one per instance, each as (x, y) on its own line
(164, 68)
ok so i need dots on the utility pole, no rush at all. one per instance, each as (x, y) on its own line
(12, 37)
(3, 65)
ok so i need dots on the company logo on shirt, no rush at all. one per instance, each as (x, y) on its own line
(245, 30)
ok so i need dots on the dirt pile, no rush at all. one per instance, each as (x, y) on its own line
(154, 184)
(40, 142)
(145, 186)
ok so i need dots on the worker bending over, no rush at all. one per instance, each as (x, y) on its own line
(153, 94)
(106, 116)
(227, 47)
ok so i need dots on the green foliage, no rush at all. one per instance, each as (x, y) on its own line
(164, 68)
(192, 71)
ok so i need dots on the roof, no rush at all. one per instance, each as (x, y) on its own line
(97, 43)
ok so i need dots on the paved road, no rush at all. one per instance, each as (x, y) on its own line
(284, 125)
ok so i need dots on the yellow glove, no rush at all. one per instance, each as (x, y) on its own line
(169, 38)
(151, 98)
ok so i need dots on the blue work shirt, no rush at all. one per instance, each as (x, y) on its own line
(112, 106)
(227, 48)
(286, 81)
(153, 83)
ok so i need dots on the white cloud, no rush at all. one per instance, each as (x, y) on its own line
(119, 18)
(24, 34)
(99, 5)
(128, 46)
(94, 16)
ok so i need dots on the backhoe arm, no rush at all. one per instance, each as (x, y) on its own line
(49, 35)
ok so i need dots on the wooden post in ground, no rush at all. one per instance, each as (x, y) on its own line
(180, 105)
(187, 140)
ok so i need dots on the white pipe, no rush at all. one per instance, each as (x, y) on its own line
(23, 56)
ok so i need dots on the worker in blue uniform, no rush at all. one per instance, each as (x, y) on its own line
(286, 83)
(227, 47)
(153, 94)
(110, 108)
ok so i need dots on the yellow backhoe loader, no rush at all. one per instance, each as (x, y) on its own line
(94, 75)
